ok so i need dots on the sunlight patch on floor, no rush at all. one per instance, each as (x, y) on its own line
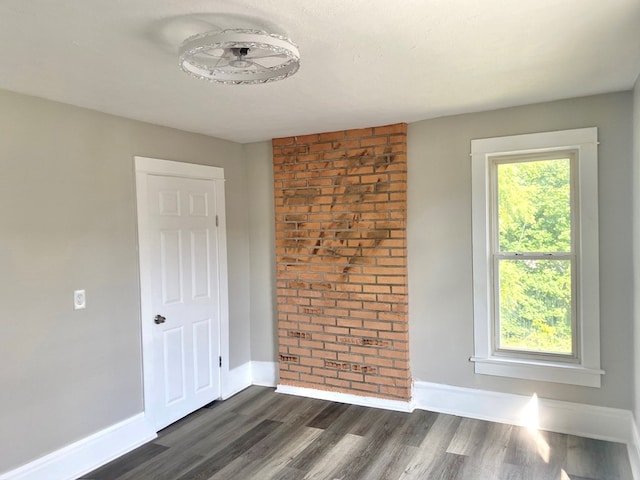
(531, 420)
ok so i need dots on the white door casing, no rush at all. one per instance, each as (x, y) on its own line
(183, 280)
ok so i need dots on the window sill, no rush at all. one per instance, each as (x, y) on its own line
(542, 371)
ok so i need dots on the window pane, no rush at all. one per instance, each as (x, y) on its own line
(535, 305)
(534, 208)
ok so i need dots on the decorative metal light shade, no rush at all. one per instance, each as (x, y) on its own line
(239, 57)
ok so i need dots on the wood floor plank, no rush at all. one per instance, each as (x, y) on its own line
(597, 459)
(283, 410)
(401, 447)
(305, 409)
(509, 471)
(469, 437)
(165, 466)
(226, 455)
(196, 428)
(260, 404)
(353, 420)
(243, 465)
(432, 448)
(522, 449)
(383, 432)
(540, 454)
(446, 467)
(211, 437)
(220, 437)
(551, 447)
(276, 464)
(244, 397)
(186, 423)
(344, 420)
(328, 415)
(367, 419)
(391, 463)
(330, 465)
(127, 462)
(317, 449)
(486, 458)
(288, 473)
(247, 464)
(419, 423)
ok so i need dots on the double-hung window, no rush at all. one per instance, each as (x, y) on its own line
(535, 256)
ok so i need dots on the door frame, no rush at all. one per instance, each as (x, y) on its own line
(144, 167)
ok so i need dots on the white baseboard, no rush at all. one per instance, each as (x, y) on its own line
(236, 380)
(85, 455)
(264, 374)
(633, 447)
(591, 421)
(346, 398)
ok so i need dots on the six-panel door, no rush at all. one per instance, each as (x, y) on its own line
(185, 291)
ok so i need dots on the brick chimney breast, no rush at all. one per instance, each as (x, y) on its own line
(341, 261)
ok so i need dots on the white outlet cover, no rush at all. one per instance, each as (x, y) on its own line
(79, 299)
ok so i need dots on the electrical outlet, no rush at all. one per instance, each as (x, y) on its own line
(79, 300)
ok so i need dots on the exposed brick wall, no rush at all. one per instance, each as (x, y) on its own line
(341, 254)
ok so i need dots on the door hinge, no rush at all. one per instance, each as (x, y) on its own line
(220, 361)
(216, 220)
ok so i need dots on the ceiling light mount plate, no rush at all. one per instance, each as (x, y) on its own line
(239, 57)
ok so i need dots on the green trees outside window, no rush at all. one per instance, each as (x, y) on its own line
(534, 256)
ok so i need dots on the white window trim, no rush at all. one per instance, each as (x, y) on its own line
(587, 371)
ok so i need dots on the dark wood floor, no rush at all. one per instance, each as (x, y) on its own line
(259, 434)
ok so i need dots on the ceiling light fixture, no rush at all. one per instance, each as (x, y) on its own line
(238, 57)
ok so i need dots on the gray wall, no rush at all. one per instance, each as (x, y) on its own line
(259, 158)
(439, 236)
(636, 244)
(67, 206)
(439, 232)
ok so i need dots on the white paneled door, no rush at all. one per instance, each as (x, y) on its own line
(182, 299)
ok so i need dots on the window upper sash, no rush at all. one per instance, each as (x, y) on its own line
(508, 165)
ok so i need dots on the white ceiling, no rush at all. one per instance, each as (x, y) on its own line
(364, 62)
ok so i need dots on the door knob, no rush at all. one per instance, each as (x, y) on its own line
(159, 319)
